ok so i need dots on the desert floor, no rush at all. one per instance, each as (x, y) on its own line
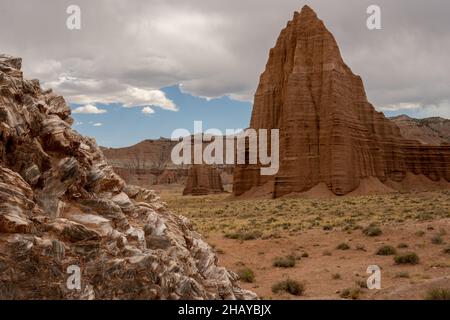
(321, 243)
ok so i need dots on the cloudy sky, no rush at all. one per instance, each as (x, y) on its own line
(139, 69)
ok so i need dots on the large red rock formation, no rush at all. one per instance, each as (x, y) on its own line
(329, 132)
(203, 180)
(62, 205)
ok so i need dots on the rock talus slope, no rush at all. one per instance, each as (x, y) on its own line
(61, 205)
(329, 132)
(203, 180)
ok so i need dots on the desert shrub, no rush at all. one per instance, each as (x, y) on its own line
(351, 293)
(386, 251)
(402, 246)
(361, 247)
(290, 286)
(438, 294)
(327, 227)
(402, 274)
(285, 262)
(447, 250)
(305, 255)
(336, 276)
(246, 275)
(372, 231)
(420, 233)
(361, 283)
(244, 235)
(437, 239)
(326, 253)
(407, 258)
(343, 246)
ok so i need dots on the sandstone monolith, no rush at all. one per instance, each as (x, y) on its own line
(329, 132)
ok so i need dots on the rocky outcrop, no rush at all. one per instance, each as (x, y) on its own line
(203, 180)
(62, 207)
(329, 132)
(430, 131)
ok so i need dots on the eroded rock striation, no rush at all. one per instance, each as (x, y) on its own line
(62, 205)
(203, 180)
(149, 163)
(430, 131)
(329, 132)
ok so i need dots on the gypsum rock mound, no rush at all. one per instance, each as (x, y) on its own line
(61, 205)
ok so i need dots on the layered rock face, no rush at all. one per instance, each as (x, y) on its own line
(62, 205)
(429, 131)
(203, 180)
(148, 163)
(329, 132)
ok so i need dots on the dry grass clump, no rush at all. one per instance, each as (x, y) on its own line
(285, 262)
(386, 251)
(372, 231)
(246, 275)
(438, 294)
(343, 246)
(407, 258)
(290, 286)
(350, 293)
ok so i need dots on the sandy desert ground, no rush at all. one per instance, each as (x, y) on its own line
(324, 244)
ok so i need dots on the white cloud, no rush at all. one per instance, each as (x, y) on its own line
(92, 91)
(401, 106)
(441, 109)
(97, 124)
(148, 110)
(216, 48)
(136, 97)
(78, 123)
(418, 110)
(89, 109)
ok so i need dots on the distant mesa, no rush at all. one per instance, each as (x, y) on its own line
(329, 133)
(429, 131)
(203, 180)
(149, 163)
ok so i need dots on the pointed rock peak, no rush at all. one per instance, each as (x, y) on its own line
(308, 18)
(307, 10)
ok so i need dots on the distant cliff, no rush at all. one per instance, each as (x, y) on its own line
(430, 131)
